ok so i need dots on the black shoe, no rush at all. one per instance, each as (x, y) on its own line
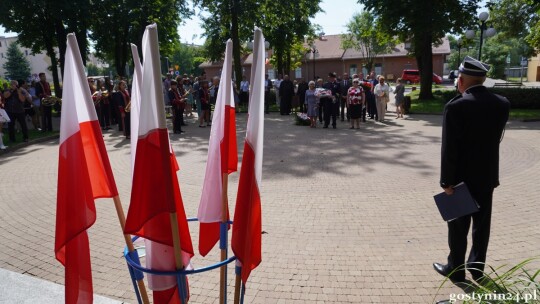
(364, 119)
(453, 274)
(325, 127)
(333, 127)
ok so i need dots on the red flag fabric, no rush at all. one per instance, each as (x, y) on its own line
(222, 159)
(155, 190)
(247, 228)
(84, 174)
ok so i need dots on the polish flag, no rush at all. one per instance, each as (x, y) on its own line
(222, 159)
(84, 174)
(155, 190)
(135, 102)
(247, 227)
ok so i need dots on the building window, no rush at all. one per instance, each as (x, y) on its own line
(26, 52)
(353, 69)
(271, 74)
(2, 55)
(298, 73)
(378, 69)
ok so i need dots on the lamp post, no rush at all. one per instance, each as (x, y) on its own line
(485, 32)
(313, 50)
(459, 45)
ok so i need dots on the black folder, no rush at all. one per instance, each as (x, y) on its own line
(456, 205)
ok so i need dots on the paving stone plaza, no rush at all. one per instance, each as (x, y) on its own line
(348, 215)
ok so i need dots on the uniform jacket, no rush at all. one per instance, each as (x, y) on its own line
(473, 126)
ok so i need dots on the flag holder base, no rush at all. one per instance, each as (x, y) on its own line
(136, 270)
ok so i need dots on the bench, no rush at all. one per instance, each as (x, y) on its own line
(507, 85)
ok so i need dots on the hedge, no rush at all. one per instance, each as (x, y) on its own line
(520, 98)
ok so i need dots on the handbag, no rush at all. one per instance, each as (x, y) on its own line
(4, 116)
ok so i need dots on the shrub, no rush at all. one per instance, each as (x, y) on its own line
(520, 98)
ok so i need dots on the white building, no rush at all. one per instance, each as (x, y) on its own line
(39, 63)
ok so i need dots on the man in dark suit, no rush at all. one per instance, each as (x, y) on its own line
(346, 83)
(331, 104)
(286, 93)
(473, 126)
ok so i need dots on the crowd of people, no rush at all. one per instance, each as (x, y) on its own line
(353, 98)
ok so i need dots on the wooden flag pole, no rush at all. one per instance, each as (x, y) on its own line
(224, 220)
(237, 285)
(129, 244)
(177, 247)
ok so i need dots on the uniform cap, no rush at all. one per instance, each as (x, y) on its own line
(473, 67)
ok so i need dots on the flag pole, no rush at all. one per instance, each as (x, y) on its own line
(129, 244)
(223, 239)
(237, 285)
(178, 255)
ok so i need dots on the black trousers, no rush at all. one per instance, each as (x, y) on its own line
(20, 117)
(372, 107)
(458, 230)
(342, 106)
(266, 102)
(331, 110)
(104, 115)
(46, 118)
(321, 110)
(178, 119)
(285, 105)
(127, 124)
(244, 98)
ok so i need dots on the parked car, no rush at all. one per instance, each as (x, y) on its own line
(413, 76)
(453, 74)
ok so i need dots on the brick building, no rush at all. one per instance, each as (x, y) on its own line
(330, 57)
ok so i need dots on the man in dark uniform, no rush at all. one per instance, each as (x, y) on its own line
(331, 105)
(345, 84)
(286, 93)
(473, 126)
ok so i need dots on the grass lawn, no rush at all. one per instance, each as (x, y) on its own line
(32, 134)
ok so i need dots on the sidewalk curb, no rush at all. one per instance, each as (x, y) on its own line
(26, 144)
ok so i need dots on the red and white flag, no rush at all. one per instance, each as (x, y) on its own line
(155, 190)
(222, 159)
(247, 227)
(135, 103)
(84, 174)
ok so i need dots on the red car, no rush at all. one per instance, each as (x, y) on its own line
(413, 76)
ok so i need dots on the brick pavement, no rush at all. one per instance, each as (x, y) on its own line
(348, 214)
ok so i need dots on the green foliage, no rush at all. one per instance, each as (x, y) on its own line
(188, 58)
(365, 35)
(525, 16)
(116, 24)
(424, 24)
(16, 65)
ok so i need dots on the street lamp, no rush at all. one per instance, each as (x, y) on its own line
(485, 32)
(313, 50)
(459, 45)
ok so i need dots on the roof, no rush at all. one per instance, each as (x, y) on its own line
(329, 47)
(400, 51)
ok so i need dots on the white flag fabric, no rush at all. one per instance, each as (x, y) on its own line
(135, 103)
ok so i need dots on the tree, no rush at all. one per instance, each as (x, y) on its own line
(365, 35)
(117, 23)
(188, 58)
(223, 23)
(286, 24)
(525, 22)
(423, 23)
(17, 66)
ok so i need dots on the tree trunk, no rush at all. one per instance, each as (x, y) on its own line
(61, 38)
(54, 67)
(236, 43)
(425, 64)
